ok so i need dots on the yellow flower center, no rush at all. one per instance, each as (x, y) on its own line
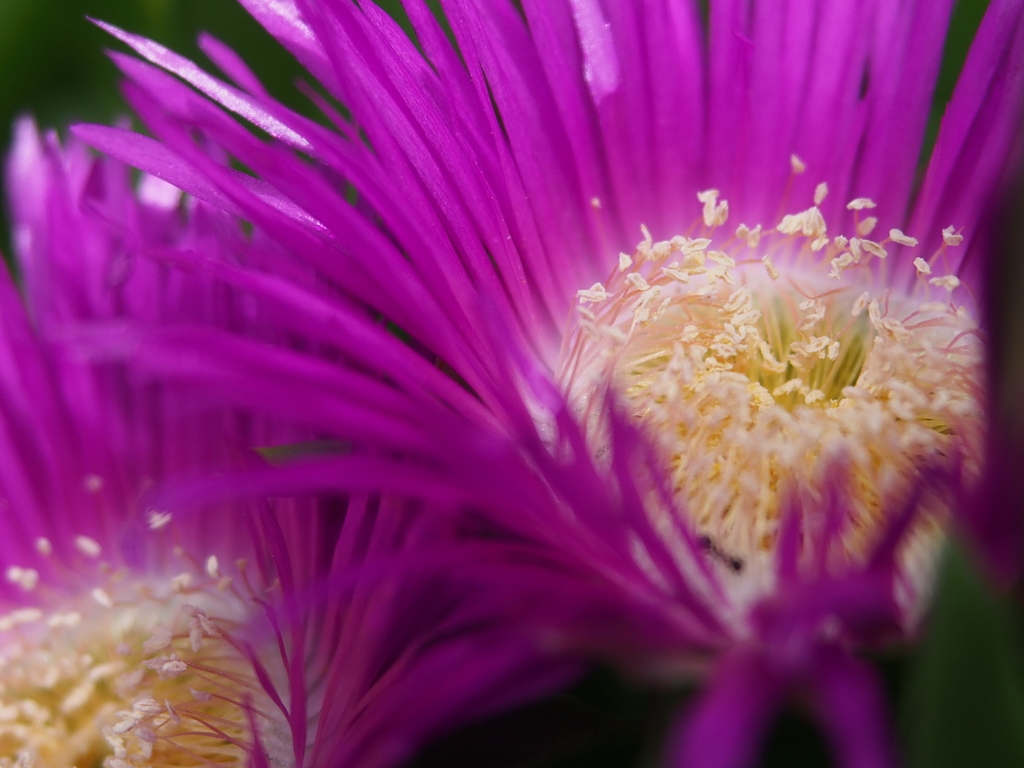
(764, 369)
(133, 673)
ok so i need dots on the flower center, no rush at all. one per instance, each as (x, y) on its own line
(764, 370)
(133, 673)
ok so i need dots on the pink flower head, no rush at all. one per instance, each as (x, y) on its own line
(144, 617)
(659, 308)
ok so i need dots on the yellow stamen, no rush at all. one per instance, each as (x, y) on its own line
(133, 673)
(764, 368)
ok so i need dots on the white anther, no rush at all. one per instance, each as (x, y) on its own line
(867, 226)
(839, 263)
(750, 236)
(181, 582)
(595, 203)
(69, 619)
(213, 567)
(768, 362)
(791, 386)
(816, 346)
(951, 237)
(922, 266)
(797, 164)
(26, 578)
(79, 695)
(860, 304)
(720, 257)
(146, 708)
(673, 271)
(714, 214)
(900, 239)
(643, 248)
(160, 639)
(25, 616)
(809, 223)
(158, 520)
(125, 725)
(103, 671)
(595, 294)
(43, 546)
(860, 203)
(820, 193)
(856, 248)
(101, 597)
(625, 262)
(690, 245)
(661, 250)
(116, 743)
(637, 281)
(87, 546)
(773, 273)
(754, 237)
(949, 282)
(166, 666)
(876, 249)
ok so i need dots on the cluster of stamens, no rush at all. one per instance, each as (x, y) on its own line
(133, 673)
(767, 363)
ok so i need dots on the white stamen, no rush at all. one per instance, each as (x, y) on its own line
(867, 226)
(87, 546)
(949, 282)
(181, 582)
(714, 214)
(637, 281)
(593, 295)
(158, 520)
(951, 237)
(26, 578)
(860, 203)
(876, 249)
(900, 239)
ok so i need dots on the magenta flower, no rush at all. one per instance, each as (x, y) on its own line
(137, 629)
(742, 439)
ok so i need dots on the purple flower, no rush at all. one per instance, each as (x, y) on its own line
(145, 618)
(660, 309)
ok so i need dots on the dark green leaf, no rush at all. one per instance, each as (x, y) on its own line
(965, 697)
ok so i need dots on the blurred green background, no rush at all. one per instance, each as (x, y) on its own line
(53, 65)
